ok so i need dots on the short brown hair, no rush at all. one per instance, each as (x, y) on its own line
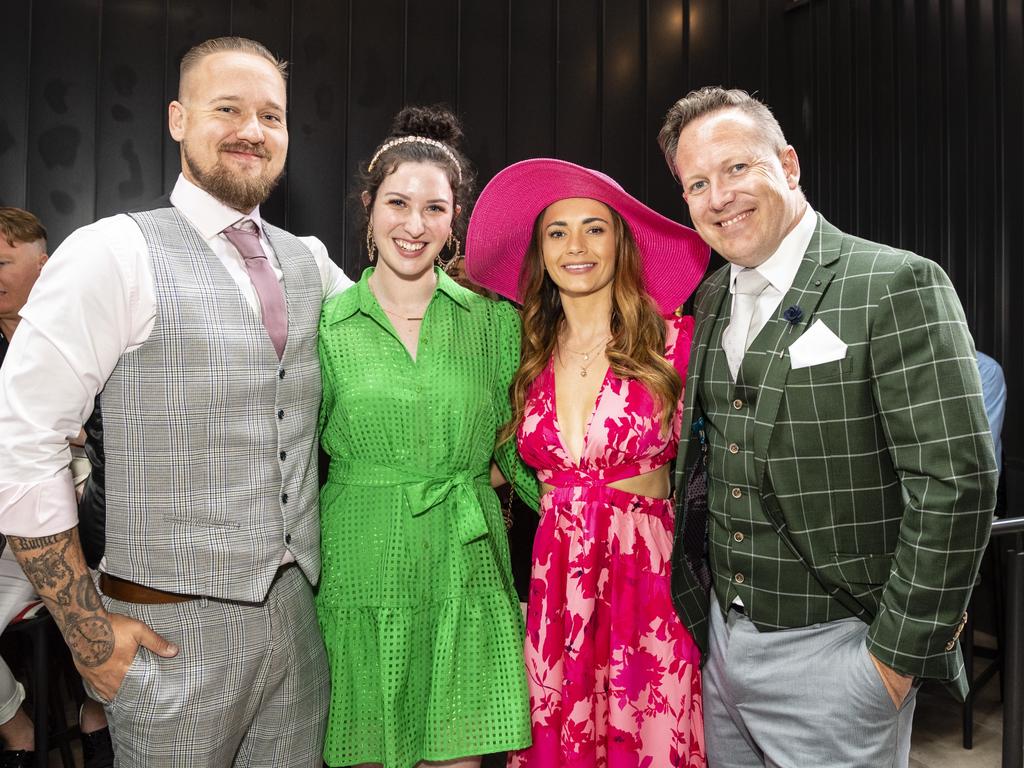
(206, 48)
(712, 98)
(20, 226)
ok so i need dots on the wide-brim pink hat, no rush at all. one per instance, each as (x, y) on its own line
(673, 257)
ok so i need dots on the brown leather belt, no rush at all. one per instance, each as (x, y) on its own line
(130, 592)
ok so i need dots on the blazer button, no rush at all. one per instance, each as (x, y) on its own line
(737, 493)
(737, 403)
(738, 536)
(280, 414)
(733, 448)
(284, 498)
(738, 578)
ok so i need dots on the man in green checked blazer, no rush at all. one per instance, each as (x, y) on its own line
(838, 424)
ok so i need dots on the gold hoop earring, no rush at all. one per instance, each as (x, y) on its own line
(371, 247)
(453, 248)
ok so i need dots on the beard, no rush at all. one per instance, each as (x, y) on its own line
(234, 190)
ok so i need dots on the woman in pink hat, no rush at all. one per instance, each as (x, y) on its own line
(613, 675)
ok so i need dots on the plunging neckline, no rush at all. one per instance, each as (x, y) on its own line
(576, 462)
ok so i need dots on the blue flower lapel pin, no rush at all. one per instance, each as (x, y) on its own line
(793, 315)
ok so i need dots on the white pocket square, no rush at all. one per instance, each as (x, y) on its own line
(817, 345)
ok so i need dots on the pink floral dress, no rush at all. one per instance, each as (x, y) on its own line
(614, 676)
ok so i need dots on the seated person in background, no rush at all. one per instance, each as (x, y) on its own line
(22, 256)
(993, 393)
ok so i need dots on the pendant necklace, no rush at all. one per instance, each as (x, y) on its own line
(400, 317)
(587, 362)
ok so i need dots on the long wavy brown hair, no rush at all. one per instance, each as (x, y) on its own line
(637, 347)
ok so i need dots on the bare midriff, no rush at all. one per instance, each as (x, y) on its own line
(656, 484)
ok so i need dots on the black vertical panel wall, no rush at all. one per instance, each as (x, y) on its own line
(907, 115)
(910, 132)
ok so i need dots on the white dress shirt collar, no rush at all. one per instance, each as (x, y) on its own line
(205, 212)
(781, 267)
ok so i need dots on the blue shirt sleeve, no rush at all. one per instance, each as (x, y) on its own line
(993, 391)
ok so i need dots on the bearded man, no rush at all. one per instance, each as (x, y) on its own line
(196, 323)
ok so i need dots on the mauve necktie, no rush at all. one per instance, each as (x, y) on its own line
(736, 338)
(245, 236)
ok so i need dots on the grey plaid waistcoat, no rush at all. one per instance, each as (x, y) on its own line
(211, 440)
(748, 557)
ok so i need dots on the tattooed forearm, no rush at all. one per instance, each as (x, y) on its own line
(88, 597)
(56, 567)
(91, 640)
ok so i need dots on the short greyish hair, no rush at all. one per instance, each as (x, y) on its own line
(712, 98)
(206, 48)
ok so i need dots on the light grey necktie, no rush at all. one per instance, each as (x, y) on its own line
(750, 284)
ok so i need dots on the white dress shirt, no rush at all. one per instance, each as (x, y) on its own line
(93, 302)
(779, 270)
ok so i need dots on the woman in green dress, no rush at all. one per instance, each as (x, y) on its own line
(422, 625)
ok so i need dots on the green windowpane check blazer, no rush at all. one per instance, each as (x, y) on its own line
(876, 470)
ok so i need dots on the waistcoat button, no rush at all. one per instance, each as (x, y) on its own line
(280, 414)
(284, 455)
(280, 373)
(284, 498)
(733, 448)
(739, 578)
(738, 536)
(737, 493)
(737, 403)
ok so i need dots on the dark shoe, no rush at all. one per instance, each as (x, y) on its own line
(17, 758)
(97, 749)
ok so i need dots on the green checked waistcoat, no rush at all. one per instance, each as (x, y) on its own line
(875, 473)
(748, 557)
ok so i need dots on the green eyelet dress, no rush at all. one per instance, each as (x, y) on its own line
(422, 625)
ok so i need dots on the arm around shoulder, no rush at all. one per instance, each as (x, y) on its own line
(507, 455)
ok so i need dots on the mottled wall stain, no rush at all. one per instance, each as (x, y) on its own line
(131, 188)
(55, 93)
(124, 79)
(62, 202)
(58, 146)
(121, 113)
(7, 140)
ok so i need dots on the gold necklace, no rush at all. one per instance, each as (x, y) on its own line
(584, 366)
(396, 314)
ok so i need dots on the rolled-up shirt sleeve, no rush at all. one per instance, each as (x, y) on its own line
(82, 314)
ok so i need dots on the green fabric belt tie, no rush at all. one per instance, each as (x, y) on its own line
(423, 492)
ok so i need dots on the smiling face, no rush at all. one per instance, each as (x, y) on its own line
(744, 197)
(20, 265)
(412, 217)
(577, 237)
(230, 123)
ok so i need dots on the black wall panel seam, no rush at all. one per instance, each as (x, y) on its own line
(96, 113)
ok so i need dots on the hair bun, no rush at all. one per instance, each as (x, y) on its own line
(434, 122)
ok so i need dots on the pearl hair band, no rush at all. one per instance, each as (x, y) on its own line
(419, 140)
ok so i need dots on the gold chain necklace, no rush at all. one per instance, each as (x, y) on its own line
(584, 366)
(399, 316)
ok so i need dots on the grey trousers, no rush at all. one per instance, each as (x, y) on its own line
(249, 686)
(799, 698)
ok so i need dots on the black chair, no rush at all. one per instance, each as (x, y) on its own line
(970, 651)
(49, 657)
